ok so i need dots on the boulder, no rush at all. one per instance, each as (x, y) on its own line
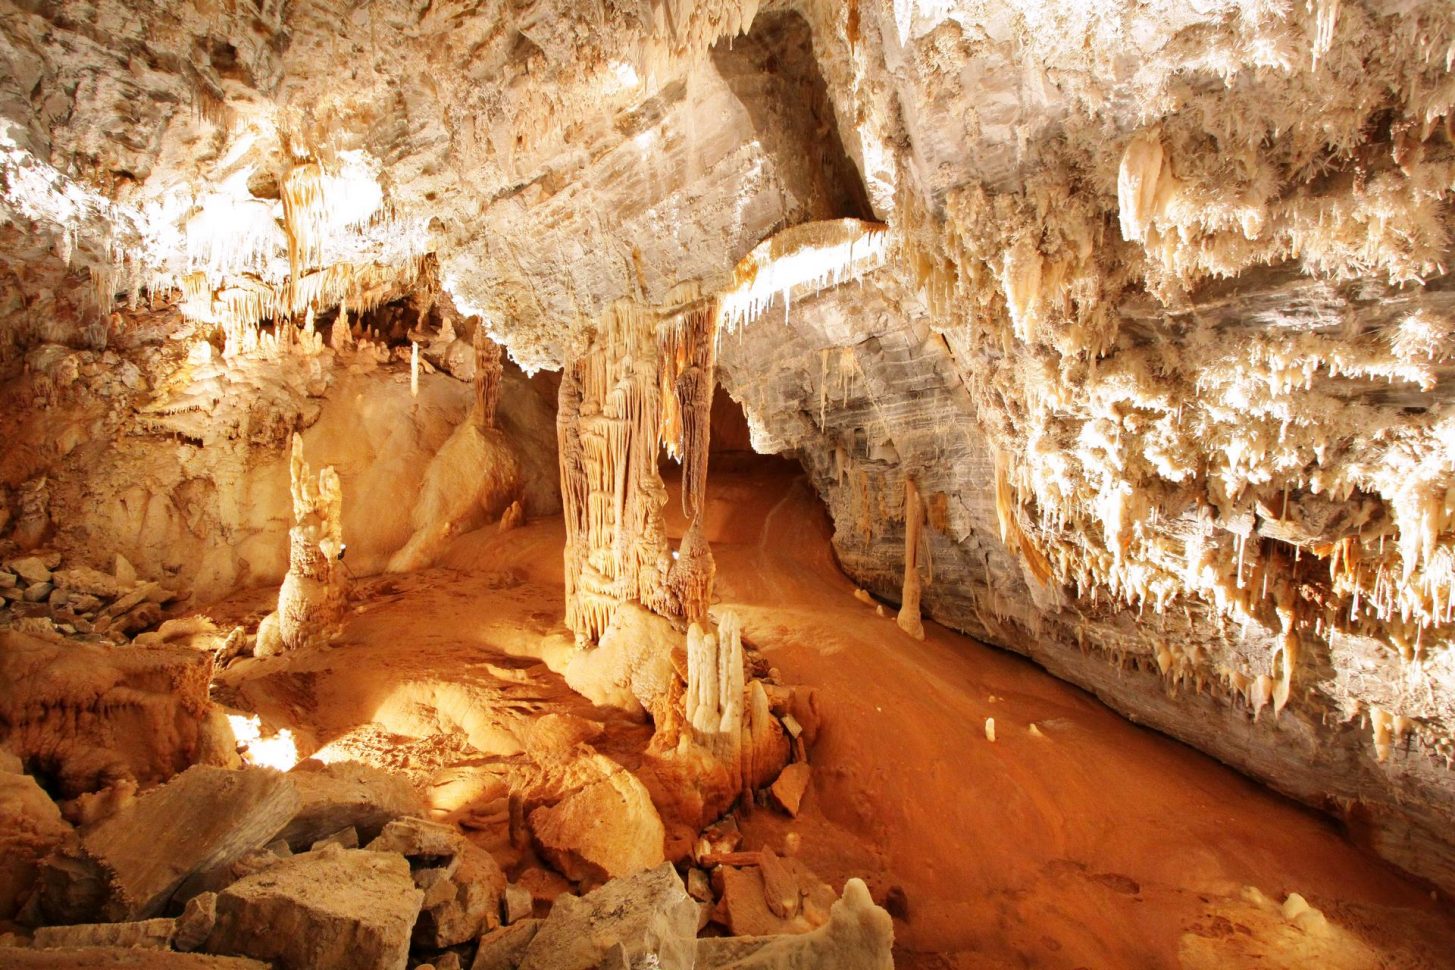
(335, 909)
(858, 936)
(643, 920)
(345, 794)
(504, 948)
(128, 866)
(463, 885)
(96, 714)
(154, 933)
(608, 829)
(30, 827)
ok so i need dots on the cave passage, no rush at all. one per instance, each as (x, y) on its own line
(727, 485)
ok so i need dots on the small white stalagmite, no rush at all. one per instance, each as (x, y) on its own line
(414, 368)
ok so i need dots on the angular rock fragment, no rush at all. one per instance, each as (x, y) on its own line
(643, 920)
(774, 896)
(463, 885)
(196, 922)
(607, 829)
(345, 794)
(858, 936)
(336, 909)
(787, 792)
(504, 948)
(129, 865)
(517, 904)
(30, 827)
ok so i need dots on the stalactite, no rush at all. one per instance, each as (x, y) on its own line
(489, 369)
(914, 514)
(814, 255)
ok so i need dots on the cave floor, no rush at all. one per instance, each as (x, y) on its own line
(1095, 844)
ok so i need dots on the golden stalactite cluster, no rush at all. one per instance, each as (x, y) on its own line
(644, 383)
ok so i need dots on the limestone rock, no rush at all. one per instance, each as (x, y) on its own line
(504, 948)
(787, 792)
(608, 829)
(517, 903)
(84, 579)
(336, 909)
(31, 569)
(858, 936)
(30, 827)
(773, 897)
(153, 933)
(122, 958)
(196, 922)
(462, 883)
(97, 713)
(128, 866)
(633, 921)
(347, 793)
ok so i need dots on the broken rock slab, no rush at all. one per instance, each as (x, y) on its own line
(858, 936)
(504, 948)
(347, 793)
(128, 866)
(335, 909)
(30, 827)
(608, 829)
(121, 958)
(154, 933)
(643, 920)
(463, 886)
(787, 792)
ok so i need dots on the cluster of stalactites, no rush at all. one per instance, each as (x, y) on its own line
(811, 257)
(489, 368)
(646, 381)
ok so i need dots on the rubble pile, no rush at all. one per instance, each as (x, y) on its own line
(42, 595)
(214, 869)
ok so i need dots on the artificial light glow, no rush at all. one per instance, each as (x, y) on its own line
(277, 751)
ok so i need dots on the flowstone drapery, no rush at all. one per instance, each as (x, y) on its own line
(644, 383)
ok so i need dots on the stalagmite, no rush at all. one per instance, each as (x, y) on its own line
(314, 593)
(413, 368)
(909, 617)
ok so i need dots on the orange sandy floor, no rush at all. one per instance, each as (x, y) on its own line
(1100, 844)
